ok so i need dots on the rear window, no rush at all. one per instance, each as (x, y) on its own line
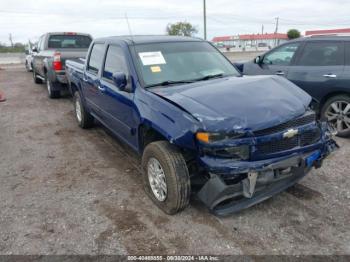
(96, 57)
(69, 41)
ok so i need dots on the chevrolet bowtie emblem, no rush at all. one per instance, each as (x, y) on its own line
(290, 133)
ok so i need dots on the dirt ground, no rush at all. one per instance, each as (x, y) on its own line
(65, 190)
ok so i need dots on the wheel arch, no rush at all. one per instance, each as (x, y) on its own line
(148, 134)
(73, 87)
(329, 96)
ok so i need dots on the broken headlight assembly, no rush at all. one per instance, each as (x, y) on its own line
(233, 152)
(241, 152)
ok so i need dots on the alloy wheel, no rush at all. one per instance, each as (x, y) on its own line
(338, 115)
(48, 85)
(156, 178)
(78, 110)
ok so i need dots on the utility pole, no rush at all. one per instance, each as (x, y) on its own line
(277, 20)
(11, 41)
(262, 29)
(276, 30)
(205, 19)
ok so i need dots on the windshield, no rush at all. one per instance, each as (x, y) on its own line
(69, 41)
(169, 63)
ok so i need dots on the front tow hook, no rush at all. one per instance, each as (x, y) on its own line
(249, 184)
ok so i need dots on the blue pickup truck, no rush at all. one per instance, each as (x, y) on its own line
(201, 128)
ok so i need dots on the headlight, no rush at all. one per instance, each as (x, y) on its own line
(212, 137)
(233, 152)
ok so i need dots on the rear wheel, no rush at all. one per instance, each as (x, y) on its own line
(337, 111)
(84, 118)
(166, 177)
(49, 86)
(36, 79)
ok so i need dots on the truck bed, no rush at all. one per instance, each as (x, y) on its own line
(75, 70)
(76, 64)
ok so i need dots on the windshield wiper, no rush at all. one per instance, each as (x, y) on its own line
(209, 77)
(170, 82)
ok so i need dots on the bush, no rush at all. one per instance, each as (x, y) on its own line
(293, 33)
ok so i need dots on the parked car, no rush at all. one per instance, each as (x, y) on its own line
(320, 66)
(50, 55)
(199, 125)
(29, 58)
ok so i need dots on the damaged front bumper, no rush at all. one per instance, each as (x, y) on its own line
(236, 186)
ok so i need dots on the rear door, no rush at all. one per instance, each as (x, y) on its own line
(43, 53)
(117, 105)
(38, 57)
(92, 90)
(346, 75)
(319, 68)
(279, 60)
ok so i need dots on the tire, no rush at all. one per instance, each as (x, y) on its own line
(175, 176)
(84, 118)
(27, 67)
(36, 79)
(51, 93)
(337, 111)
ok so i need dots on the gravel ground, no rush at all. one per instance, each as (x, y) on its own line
(65, 190)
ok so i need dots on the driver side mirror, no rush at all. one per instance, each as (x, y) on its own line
(35, 49)
(258, 60)
(120, 81)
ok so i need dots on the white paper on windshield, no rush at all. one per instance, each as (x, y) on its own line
(152, 58)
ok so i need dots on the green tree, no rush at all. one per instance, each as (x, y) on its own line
(181, 28)
(293, 33)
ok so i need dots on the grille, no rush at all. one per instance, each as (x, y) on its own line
(307, 118)
(304, 139)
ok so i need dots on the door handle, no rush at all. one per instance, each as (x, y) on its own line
(102, 89)
(330, 76)
(280, 73)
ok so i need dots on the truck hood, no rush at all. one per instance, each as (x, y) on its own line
(239, 103)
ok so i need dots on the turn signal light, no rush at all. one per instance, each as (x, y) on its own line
(203, 137)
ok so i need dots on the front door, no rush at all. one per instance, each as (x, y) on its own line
(279, 60)
(117, 105)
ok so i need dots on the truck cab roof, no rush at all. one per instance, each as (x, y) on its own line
(145, 39)
(339, 37)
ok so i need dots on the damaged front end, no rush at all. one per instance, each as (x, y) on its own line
(277, 159)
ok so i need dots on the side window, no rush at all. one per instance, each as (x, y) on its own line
(347, 53)
(322, 54)
(39, 43)
(95, 59)
(42, 43)
(115, 62)
(282, 55)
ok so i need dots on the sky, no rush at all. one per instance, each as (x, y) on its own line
(28, 19)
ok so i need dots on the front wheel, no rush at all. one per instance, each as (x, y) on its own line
(337, 111)
(27, 67)
(166, 178)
